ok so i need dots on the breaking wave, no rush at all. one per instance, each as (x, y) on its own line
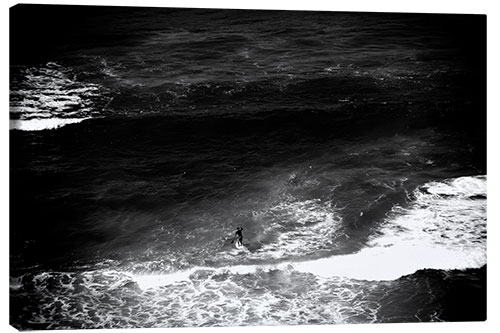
(50, 97)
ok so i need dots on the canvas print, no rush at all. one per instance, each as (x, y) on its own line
(177, 167)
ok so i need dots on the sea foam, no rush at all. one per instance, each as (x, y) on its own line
(436, 231)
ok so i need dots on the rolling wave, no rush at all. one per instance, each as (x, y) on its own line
(437, 231)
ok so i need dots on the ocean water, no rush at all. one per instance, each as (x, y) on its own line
(351, 148)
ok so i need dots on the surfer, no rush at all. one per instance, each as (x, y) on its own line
(239, 235)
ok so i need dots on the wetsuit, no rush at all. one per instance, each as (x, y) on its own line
(240, 236)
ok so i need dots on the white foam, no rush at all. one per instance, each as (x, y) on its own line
(373, 264)
(435, 232)
(47, 98)
(384, 264)
(463, 186)
(309, 226)
(146, 281)
(43, 124)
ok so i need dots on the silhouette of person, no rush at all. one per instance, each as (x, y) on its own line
(238, 235)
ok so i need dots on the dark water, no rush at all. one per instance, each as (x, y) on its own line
(350, 147)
